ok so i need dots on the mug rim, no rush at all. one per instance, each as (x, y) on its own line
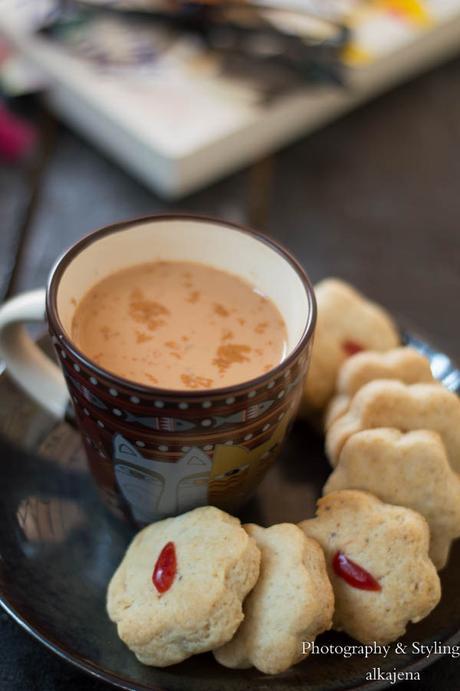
(77, 247)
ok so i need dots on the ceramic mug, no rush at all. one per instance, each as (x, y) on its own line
(156, 452)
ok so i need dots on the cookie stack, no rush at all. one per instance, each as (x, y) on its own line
(256, 596)
(392, 430)
(201, 582)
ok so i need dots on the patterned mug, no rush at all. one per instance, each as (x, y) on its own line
(156, 452)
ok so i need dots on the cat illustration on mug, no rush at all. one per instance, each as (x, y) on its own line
(155, 489)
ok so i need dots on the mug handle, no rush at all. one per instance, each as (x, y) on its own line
(26, 363)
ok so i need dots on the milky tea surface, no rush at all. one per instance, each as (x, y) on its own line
(179, 325)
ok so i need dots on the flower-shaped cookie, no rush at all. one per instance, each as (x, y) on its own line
(347, 323)
(403, 364)
(292, 602)
(385, 403)
(377, 558)
(180, 587)
(409, 470)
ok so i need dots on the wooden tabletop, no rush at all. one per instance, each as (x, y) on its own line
(373, 198)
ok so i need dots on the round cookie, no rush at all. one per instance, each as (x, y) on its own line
(403, 364)
(386, 403)
(377, 559)
(409, 470)
(217, 564)
(347, 322)
(292, 602)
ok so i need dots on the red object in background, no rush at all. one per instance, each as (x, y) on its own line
(351, 348)
(353, 573)
(165, 569)
(17, 137)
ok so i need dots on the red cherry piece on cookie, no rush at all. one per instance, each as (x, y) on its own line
(353, 573)
(351, 348)
(165, 569)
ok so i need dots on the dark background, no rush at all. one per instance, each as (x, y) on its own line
(373, 198)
